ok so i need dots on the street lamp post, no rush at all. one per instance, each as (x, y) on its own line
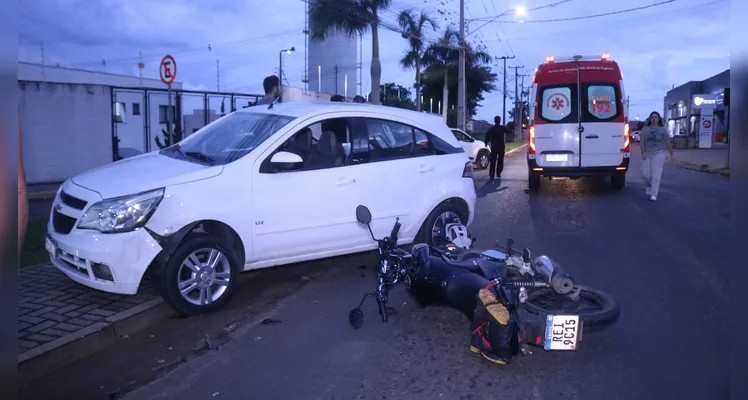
(280, 64)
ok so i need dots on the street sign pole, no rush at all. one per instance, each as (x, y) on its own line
(169, 117)
(168, 72)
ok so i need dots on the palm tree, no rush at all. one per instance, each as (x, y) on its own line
(412, 26)
(440, 57)
(351, 17)
(441, 61)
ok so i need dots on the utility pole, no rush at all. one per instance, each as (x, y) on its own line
(218, 76)
(503, 106)
(461, 89)
(140, 67)
(517, 98)
(44, 78)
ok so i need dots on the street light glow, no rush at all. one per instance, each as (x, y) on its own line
(521, 11)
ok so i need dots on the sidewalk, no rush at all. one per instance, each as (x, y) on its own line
(60, 321)
(713, 160)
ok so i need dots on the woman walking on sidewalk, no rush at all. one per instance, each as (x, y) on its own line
(655, 143)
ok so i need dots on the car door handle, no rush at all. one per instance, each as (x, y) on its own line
(344, 181)
(592, 137)
(425, 168)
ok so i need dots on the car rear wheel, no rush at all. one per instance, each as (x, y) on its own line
(200, 277)
(481, 161)
(618, 180)
(533, 181)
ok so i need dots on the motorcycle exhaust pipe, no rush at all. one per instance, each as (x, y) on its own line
(558, 279)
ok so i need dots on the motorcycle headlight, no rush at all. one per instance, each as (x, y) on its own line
(122, 214)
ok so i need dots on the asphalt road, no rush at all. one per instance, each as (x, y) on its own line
(664, 261)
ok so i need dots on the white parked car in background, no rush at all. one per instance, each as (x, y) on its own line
(475, 149)
(260, 187)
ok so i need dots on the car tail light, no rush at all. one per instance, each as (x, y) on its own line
(467, 172)
(626, 138)
(531, 140)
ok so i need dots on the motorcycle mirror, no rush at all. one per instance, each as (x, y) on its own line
(363, 215)
(356, 318)
(526, 255)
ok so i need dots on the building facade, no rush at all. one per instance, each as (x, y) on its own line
(682, 109)
(70, 118)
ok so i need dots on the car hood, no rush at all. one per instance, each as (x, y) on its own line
(144, 172)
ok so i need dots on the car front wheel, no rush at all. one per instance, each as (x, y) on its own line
(481, 161)
(200, 277)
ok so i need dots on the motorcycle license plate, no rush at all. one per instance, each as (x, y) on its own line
(562, 332)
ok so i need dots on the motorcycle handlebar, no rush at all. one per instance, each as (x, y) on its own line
(395, 230)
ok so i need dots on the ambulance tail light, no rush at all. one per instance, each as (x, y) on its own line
(626, 138)
(531, 140)
(550, 59)
(605, 56)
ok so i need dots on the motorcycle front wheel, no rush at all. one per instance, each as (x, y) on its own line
(597, 309)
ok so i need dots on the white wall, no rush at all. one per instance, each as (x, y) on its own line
(66, 129)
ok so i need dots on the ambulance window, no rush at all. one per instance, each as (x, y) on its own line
(556, 103)
(601, 101)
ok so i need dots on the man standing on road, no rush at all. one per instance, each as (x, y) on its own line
(271, 84)
(495, 140)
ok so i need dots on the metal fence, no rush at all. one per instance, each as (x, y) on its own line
(140, 122)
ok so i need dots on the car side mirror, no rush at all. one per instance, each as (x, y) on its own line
(284, 160)
(363, 215)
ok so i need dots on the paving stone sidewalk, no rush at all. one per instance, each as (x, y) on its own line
(54, 310)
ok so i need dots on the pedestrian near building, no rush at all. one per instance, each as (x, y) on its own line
(655, 145)
(271, 85)
(496, 140)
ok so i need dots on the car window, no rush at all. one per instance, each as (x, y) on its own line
(321, 145)
(557, 104)
(423, 144)
(389, 140)
(229, 138)
(601, 102)
(460, 136)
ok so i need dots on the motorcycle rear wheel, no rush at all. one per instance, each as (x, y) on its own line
(597, 309)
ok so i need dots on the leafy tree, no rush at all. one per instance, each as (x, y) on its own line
(394, 95)
(441, 73)
(413, 26)
(167, 140)
(351, 17)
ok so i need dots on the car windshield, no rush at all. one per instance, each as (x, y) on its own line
(229, 139)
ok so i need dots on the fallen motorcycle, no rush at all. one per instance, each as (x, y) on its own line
(550, 309)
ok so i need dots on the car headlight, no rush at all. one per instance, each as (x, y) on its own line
(122, 214)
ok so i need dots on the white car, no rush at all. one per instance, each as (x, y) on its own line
(260, 187)
(475, 149)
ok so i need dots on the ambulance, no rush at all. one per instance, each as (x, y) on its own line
(578, 121)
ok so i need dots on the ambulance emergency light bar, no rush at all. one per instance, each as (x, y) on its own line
(551, 59)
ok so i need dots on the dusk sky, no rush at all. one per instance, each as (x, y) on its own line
(656, 47)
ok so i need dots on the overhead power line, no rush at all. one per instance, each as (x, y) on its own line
(588, 16)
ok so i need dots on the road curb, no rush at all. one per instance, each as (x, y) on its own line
(40, 195)
(516, 150)
(700, 168)
(42, 360)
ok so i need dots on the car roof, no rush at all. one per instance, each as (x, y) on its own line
(308, 109)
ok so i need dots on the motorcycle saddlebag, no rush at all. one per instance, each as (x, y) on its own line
(494, 328)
